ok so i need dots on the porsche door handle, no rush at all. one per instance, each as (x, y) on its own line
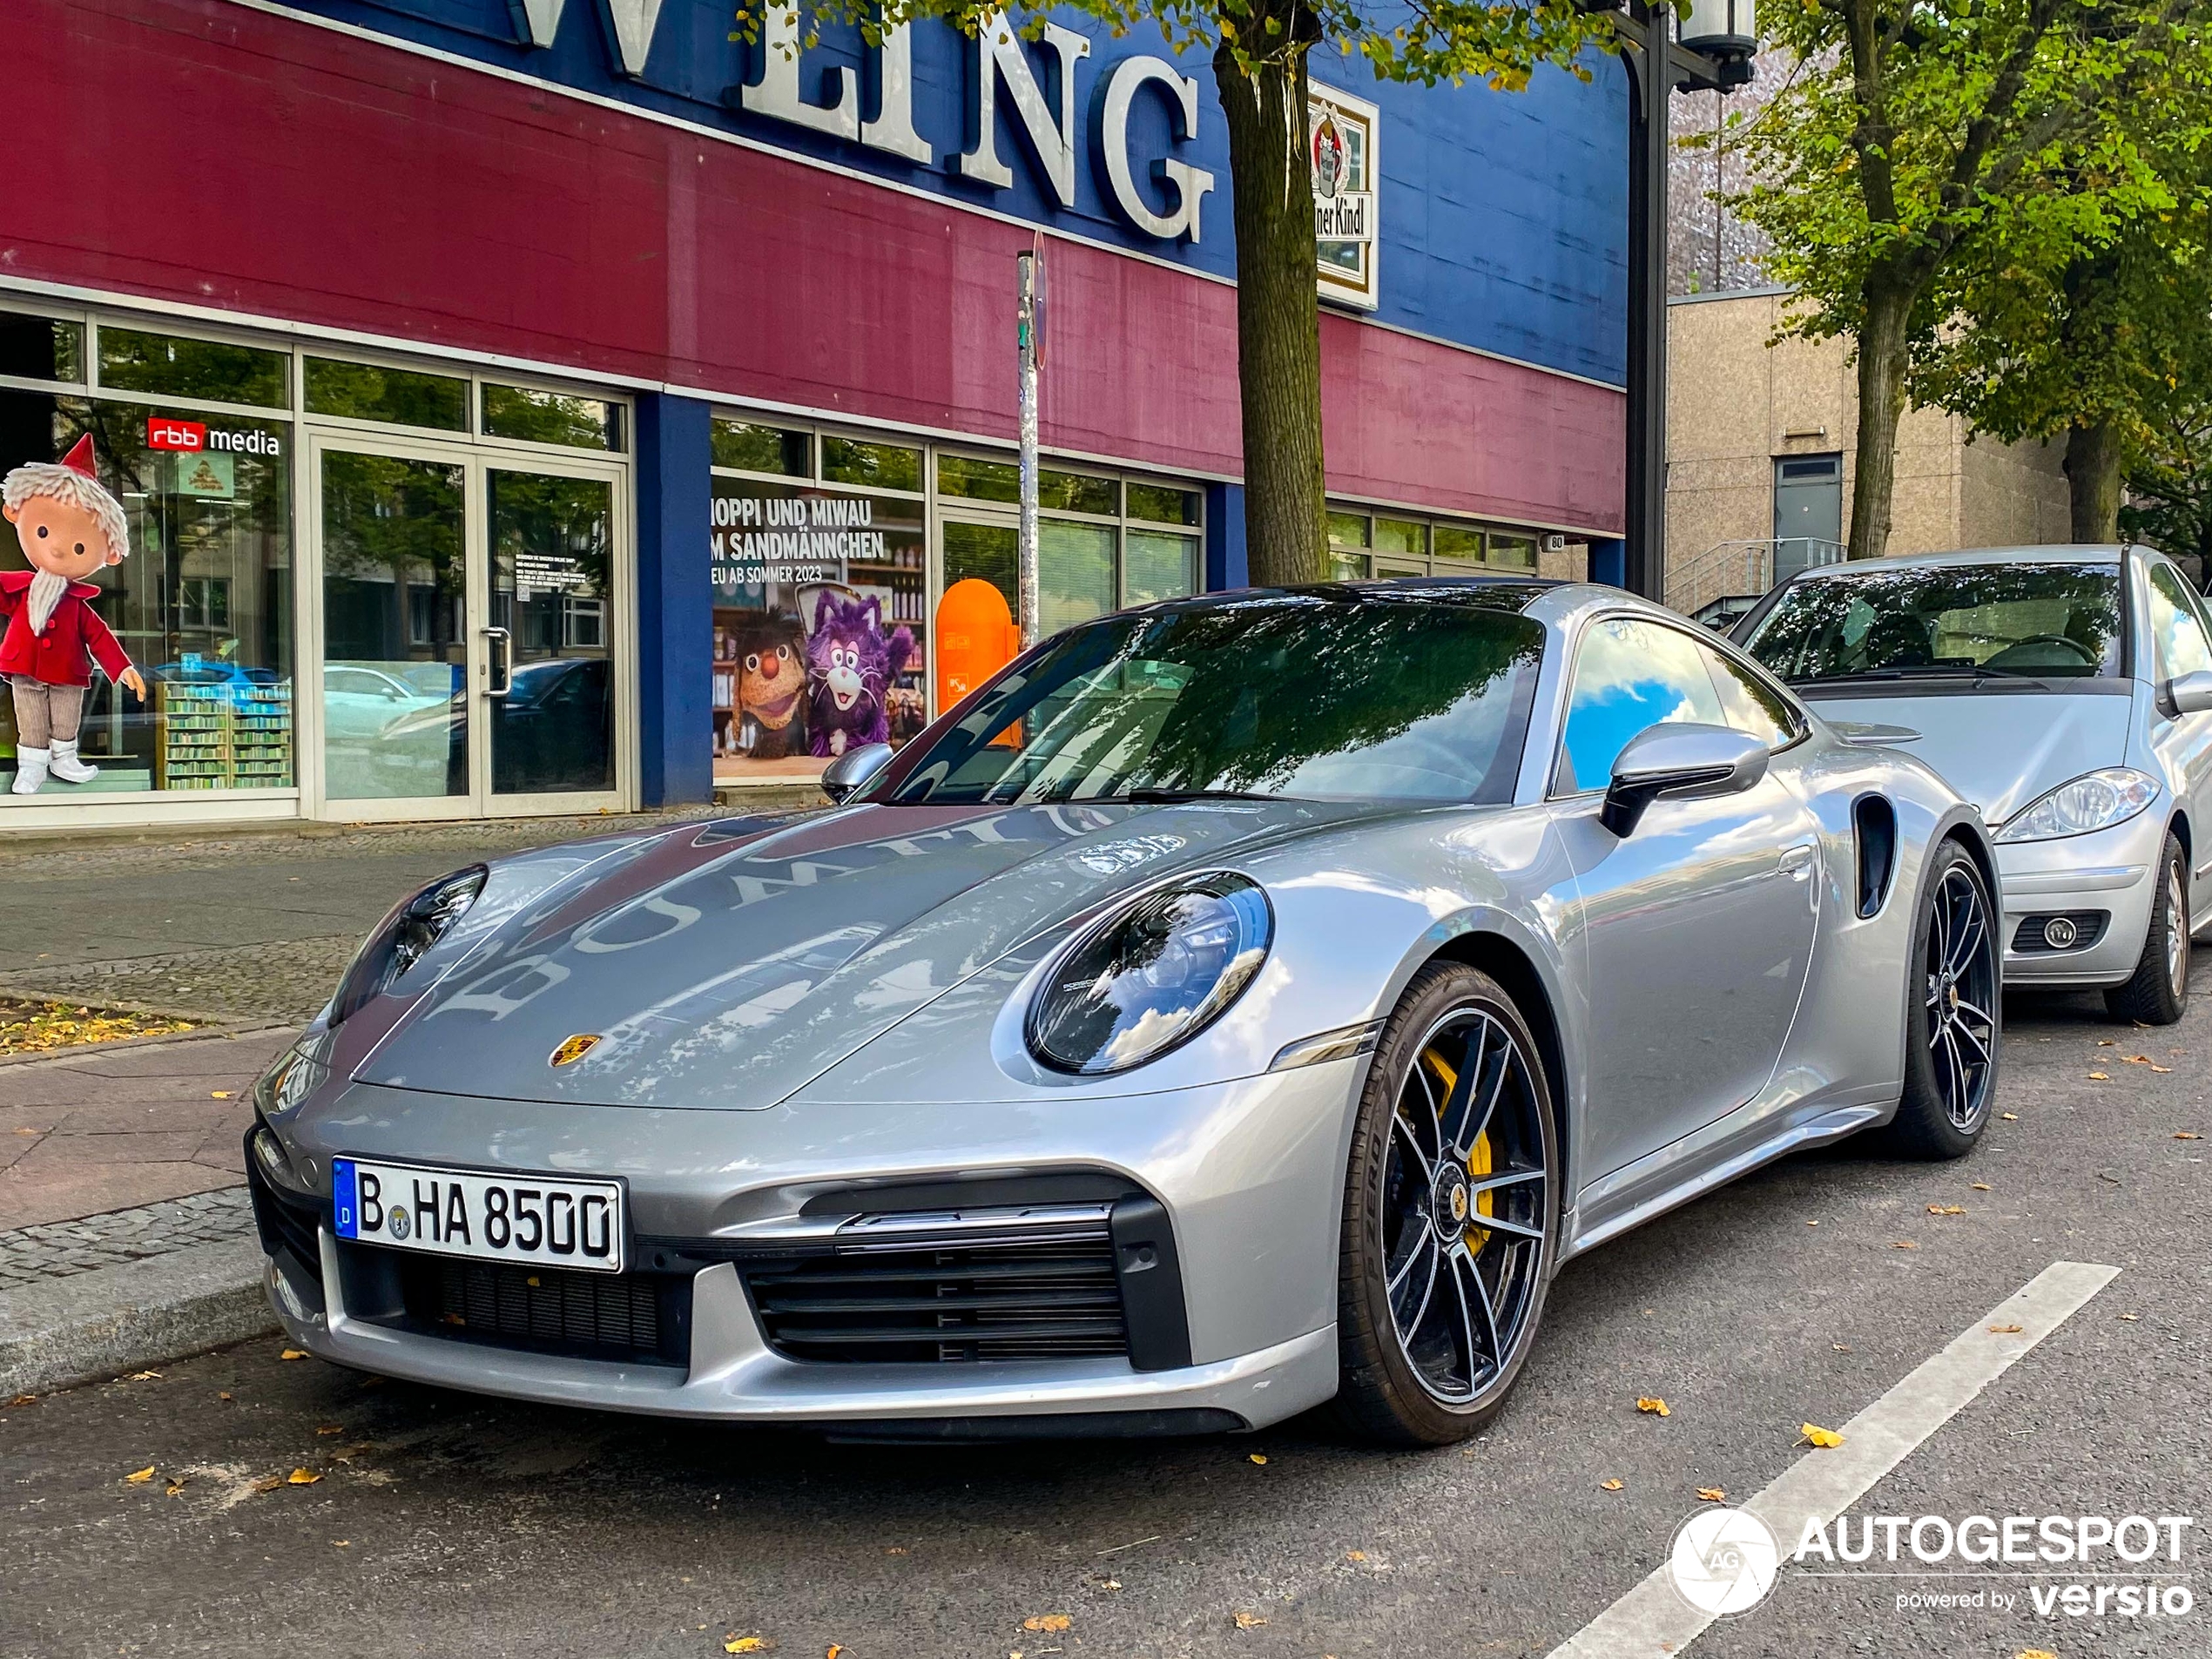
(1796, 861)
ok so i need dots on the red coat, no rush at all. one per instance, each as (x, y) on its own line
(75, 634)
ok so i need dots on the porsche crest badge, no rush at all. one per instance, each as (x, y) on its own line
(573, 1048)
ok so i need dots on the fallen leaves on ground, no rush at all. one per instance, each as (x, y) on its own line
(302, 1478)
(331, 1428)
(2035, 1653)
(2099, 1077)
(140, 1478)
(341, 1543)
(1355, 1555)
(1905, 1244)
(25, 1399)
(28, 1027)
(1248, 1621)
(2187, 1135)
(268, 1483)
(219, 1094)
(143, 1376)
(749, 1645)
(2009, 1117)
(224, 1393)
(1713, 1494)
(1946, 1209)
(1052, 1623)
(1982, 1186)
(2130, 1318)
(174, 1489)
(1614, 1485)
(1655, 1406)
(294, 1353)
(836, 1651)
(2004, 1330)
(1812, 1434)
(1259, 1458)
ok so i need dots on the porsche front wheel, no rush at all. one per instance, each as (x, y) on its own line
(1450, 1206)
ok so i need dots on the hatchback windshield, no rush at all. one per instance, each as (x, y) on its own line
(2040, 621)
(1283, 694)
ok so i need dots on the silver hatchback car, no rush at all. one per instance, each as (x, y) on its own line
(2068, 692)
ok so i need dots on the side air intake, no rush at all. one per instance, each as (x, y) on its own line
(1874, 827)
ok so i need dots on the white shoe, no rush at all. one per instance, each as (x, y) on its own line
(67, 767)
(31, 769)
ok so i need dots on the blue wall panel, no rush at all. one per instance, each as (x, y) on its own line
(675, 599)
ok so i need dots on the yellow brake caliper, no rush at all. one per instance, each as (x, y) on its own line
(1479, 1164)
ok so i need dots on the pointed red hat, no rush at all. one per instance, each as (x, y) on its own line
(79, 458)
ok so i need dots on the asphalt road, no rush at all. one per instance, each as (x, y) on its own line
(442, 1524)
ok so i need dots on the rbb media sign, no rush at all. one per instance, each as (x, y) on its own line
(165, 432)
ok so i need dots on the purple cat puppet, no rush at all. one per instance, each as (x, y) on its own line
(853, 663)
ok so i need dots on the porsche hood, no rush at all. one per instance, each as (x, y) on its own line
(730, 963)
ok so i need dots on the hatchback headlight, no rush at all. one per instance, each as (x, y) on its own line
(1151, 975)
(2094, 801)
(404, 938)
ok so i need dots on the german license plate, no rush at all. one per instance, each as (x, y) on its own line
(530, 1218)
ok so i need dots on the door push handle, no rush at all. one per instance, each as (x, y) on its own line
(500, 665)
(1796, 861)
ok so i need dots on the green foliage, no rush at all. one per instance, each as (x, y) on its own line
(1908, 132)
(2171, 484)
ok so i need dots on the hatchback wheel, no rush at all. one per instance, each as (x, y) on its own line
(1451, 1203)
(2158, 993)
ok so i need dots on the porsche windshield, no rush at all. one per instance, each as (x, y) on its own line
(1994, 620)
(1280, 694)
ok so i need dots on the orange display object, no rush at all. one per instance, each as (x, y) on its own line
(975, 638)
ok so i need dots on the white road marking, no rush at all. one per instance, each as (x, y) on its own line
(1653, 1621)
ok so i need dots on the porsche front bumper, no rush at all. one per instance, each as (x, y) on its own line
(1249, 1175)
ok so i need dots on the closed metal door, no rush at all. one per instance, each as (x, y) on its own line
(1807, 510)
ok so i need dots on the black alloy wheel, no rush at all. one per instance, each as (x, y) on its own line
(1954, 1019)
(1451, 1204)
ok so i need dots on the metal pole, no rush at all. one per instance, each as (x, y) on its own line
(1651, 76)
(1026, 335)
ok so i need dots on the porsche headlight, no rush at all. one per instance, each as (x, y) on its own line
(1151, 975)
(403, 937)
(2094, 801)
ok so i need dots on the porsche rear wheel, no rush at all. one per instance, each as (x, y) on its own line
(1955, 1014)
(1451, 1205)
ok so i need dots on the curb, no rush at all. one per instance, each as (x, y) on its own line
(205, 1027)
(89, 1327)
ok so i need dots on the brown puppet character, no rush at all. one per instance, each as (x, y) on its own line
(771, 718)
(69, 527)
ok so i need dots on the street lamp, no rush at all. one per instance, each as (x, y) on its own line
(1713, 54)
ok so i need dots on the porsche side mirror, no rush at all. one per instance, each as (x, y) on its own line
(2191, 693)
(854, 770)
(1681, 760)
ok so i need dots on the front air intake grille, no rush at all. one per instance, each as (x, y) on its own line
(640, 1316)
(284, 1223)
(1034, 1293)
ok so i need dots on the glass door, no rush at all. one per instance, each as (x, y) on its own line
(386, 718)
(468, 615)
(550, 640)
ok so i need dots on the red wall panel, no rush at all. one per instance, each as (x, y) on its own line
(196, 150)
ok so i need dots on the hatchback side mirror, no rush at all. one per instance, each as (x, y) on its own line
(1682, 759)
(2191, 693)
(854, 771)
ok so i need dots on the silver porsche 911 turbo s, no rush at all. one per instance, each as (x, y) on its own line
(1235, 1005)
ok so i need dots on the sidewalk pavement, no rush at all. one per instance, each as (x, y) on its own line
(126, 1237)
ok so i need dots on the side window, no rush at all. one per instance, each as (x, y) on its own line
(1750, 704)
(1629, 675)
(2178, 645)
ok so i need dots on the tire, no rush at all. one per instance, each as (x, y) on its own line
(1487, 1152)
(1954, 1012)
(2158, 992)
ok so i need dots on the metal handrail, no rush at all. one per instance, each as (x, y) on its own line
(1746, 569)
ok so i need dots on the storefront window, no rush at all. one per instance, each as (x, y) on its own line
(819, 600)
(371, 392)
(134, 360)
(1515, 552)
(1163, 503)
(1000, 481)
(42, 348)
(552, 548)
(1400, 536)
(747, 448)
(552, 417)
(1458, 542)
(202, 604)
(1410, 546)
(1157, 565)
(880, 466)
(1075, 574)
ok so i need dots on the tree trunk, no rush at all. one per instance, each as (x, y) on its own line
(1881, 405)
(2093, 472)
(1278, 342)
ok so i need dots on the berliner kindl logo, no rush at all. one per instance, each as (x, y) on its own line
(1723, 1560)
